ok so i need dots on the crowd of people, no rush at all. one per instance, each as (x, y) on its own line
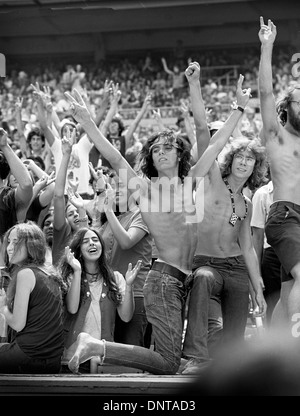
(146, 248)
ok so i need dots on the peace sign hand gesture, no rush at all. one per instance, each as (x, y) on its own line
(78, 107)
(38, 95)
(156, 114)
(18, 104)
(107, 89)
(109, 200)
(185, 111)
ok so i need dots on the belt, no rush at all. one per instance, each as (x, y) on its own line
(167, 268)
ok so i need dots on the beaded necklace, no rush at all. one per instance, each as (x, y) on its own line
(234, 217)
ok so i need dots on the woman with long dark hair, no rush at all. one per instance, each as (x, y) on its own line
(32, 305)
(95, 291)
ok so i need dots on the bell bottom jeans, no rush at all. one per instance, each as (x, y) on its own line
(164, 297)
(219, 297)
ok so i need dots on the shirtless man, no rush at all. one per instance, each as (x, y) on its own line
(281, 133)
(225, 257)
(170, 216)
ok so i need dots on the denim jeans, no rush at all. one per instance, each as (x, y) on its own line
(220, 287)
(132, 332)
(14, 361)
(164, 298)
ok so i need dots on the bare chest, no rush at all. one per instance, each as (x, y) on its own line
(222, 208)
(167, 199)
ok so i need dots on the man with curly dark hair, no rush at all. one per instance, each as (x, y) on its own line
(164, 192)
(281, 133)
(225, 258)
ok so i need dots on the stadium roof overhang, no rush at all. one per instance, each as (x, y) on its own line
(8, 5)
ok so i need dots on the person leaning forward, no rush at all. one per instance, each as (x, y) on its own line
(170, 217)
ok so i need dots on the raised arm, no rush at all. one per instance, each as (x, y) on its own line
(267, 35)
(116, 94)
(43, 188)
(165, 66)
(42, 116)
(60, 182)
(192, 74)
(51, 114)
(78, 203)
(82, 116)
(137, 120)
(19, 170)
(105, 102)
(45, 183)
(185, 111)
(126, 308)
(158, 118)
(21, 135)
(73, 295)
(220, 138)
(125, 238)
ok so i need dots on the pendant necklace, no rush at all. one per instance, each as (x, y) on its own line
(234, 217)
(94, 275)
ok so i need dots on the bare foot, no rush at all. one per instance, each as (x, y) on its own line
(86, 348)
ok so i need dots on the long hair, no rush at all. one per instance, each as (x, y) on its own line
(104, 268)
(145, 160)
(118, 120)
(260, 170)
(32, 237)
(283, 102)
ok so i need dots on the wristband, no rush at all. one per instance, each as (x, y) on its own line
(237, 107)
(100, 192)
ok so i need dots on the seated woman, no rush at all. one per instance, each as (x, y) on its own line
(95, 291)
(32, 305)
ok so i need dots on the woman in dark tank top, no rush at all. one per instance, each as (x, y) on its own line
(32, 305)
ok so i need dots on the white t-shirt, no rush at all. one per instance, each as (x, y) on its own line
(261, 201)
(78, 168)
(92, 323)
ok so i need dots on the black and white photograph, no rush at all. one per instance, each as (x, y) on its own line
(149, 202)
